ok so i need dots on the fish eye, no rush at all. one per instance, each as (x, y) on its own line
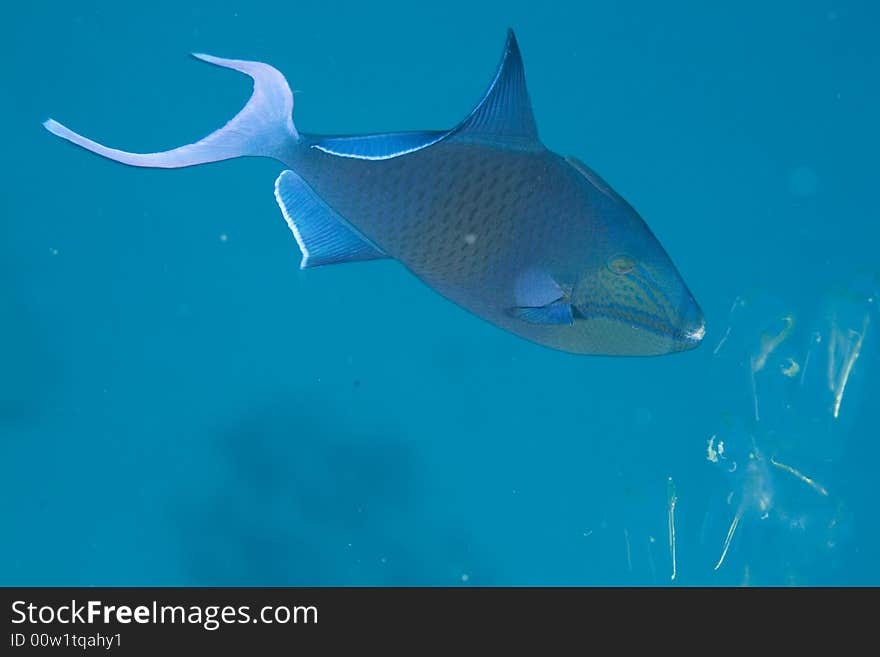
(621, 264)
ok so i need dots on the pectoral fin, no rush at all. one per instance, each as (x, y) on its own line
(558, 312)
(534, 287)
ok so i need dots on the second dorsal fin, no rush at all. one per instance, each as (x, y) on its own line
(505, 112)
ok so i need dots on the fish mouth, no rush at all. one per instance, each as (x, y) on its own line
(686, 331)
(651, 302)
(692, 324)
(694, 336)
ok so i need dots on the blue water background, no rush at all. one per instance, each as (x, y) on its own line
(181, 405)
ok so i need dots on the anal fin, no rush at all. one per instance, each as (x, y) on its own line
(323, 236)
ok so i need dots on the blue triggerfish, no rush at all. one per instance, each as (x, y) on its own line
(484, 213)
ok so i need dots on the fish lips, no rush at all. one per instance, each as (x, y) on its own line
(684, 331)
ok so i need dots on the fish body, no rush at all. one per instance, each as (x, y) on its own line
(484, 214)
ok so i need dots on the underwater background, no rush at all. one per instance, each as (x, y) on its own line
(181, 405)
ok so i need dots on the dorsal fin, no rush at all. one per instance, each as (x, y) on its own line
(505, 112)
(378, 146)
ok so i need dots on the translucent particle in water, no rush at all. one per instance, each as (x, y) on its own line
(470, 239)
(803, 378)
(711, 452)
(722, 341)
(642, 417)
(755, 493)
(802, 181)
(465, 577)
(769, 341)
(844, 347)
(629, 563)
(738, 303)
(714, 453)
(755, 396)
(801, 476)
(671, 499)
(224, 237)
(790, 368)
(730, 532)
(651, 559)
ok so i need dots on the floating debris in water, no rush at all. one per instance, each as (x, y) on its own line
(790, 368)
(714, 453)
(672, 499)
(730, 532)
(799, 475)
(844, 347)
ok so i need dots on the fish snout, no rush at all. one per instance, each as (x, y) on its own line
(691, 324)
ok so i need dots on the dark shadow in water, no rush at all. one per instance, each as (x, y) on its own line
(28, 376)
(302, 498)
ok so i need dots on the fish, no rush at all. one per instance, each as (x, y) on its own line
(533, 242)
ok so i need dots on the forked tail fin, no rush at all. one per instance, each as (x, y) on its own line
(264, 127)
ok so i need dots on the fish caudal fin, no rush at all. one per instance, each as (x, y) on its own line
(263, 128)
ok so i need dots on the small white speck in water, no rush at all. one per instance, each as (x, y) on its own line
(470, 239)
(224, 237)
(465, 577)
(802, 181)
